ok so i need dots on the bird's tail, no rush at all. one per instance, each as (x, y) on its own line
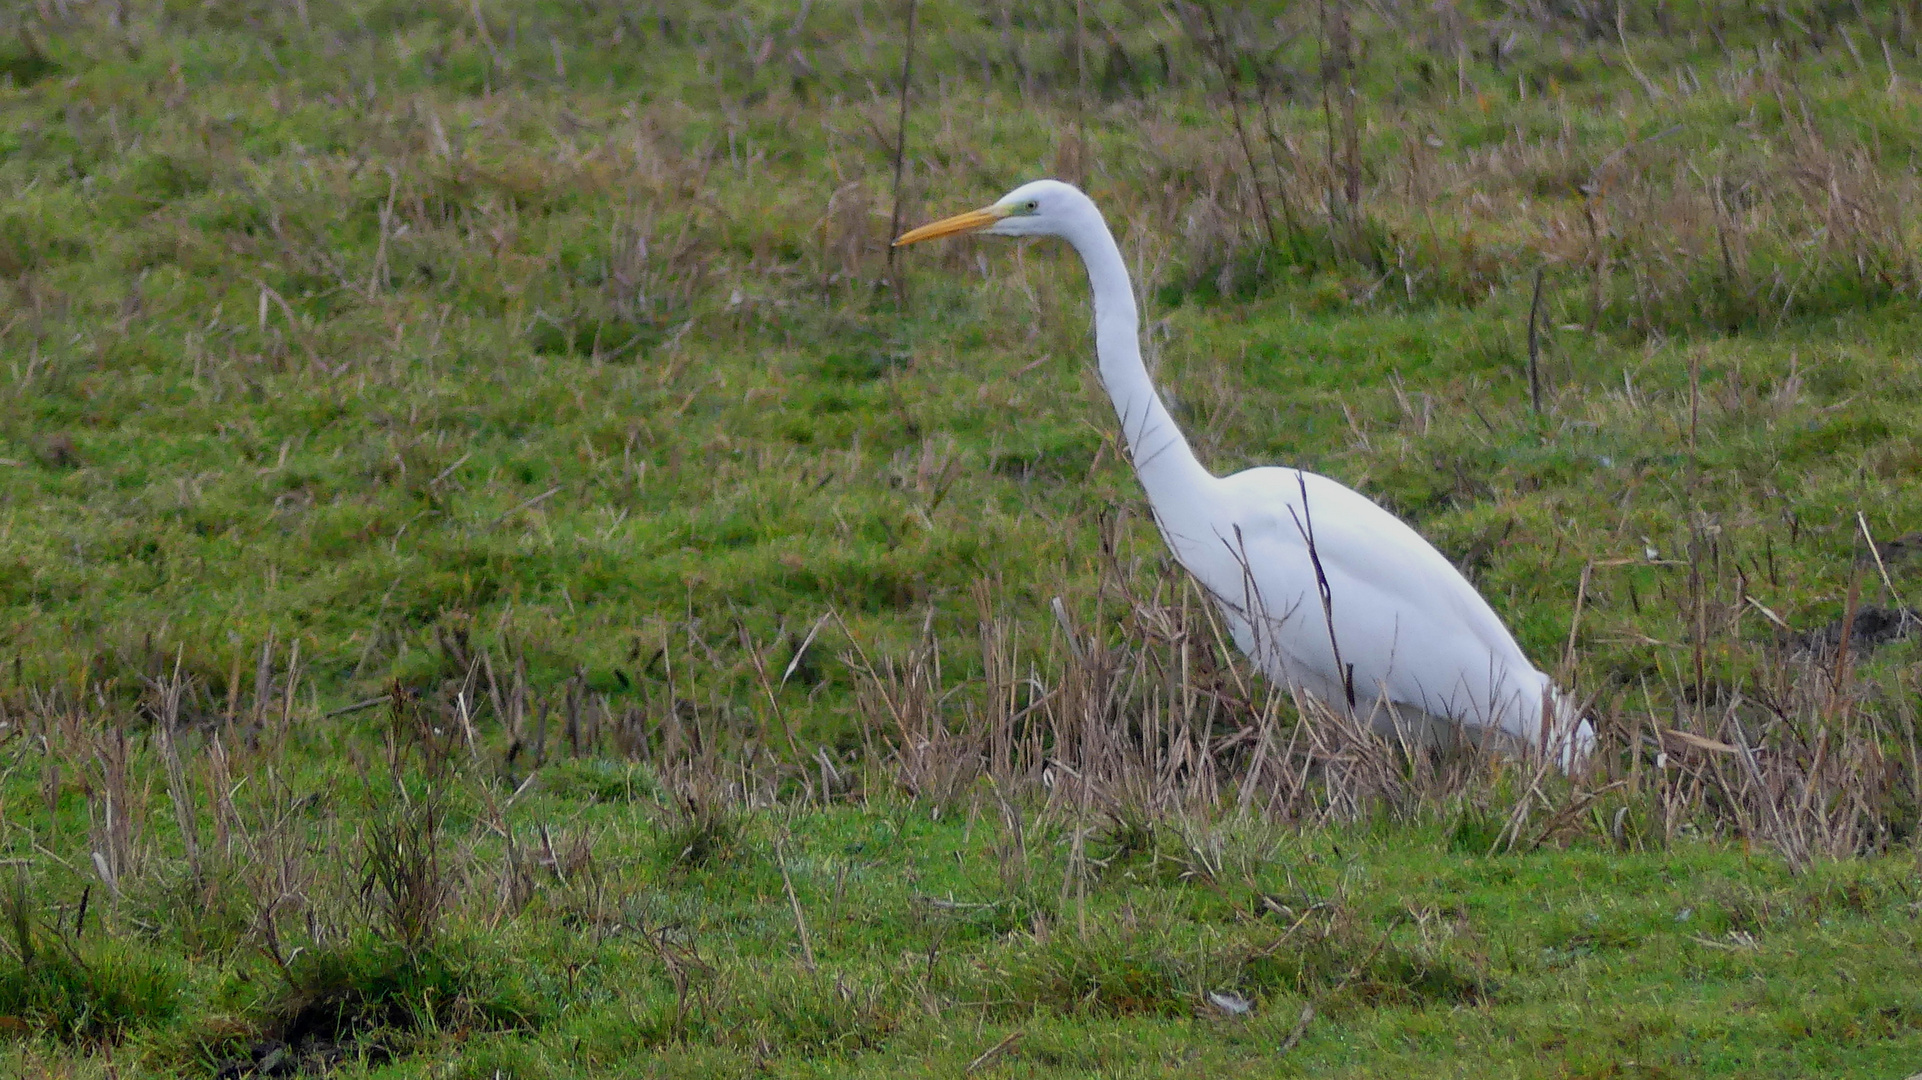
(1566, 733)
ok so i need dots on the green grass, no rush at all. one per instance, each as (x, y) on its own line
(539, 369)
(1418, 957)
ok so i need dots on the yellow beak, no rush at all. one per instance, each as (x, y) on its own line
(950, 226)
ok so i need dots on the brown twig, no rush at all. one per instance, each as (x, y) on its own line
(800, 917)
(1231, 82)
(1535, 345)
(900, 158)
(991, 1053)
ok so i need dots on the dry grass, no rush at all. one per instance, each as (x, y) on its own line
(1158, 721)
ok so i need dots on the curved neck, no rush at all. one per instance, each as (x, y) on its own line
(1161, 455)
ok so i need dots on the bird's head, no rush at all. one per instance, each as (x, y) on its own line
(1039, 208)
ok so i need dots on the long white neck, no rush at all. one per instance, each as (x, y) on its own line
(1161, 455)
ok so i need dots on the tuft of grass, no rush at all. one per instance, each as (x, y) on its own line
(80, 989)
(373, 999)
(95, 993)
(210, 915)
(702, 831)
(403, 876)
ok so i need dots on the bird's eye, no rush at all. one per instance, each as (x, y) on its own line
(1033, 206)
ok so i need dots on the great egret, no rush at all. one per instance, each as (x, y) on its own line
(1326, 591)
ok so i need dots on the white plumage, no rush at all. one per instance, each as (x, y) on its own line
(1397, 635)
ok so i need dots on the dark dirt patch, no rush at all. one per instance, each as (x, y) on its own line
(1874, 626)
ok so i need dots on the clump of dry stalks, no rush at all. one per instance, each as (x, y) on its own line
(1139, 711)
(1150, 715)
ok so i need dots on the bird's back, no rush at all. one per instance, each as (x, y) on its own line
(1408, 629)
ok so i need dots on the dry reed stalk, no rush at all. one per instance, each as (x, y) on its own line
(112, 808)
(179, 791)
(800, 917)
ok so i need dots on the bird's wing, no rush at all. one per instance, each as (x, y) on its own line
(1404, 619)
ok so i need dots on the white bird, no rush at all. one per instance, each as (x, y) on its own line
(1327, 592)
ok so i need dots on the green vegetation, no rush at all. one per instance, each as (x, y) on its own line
(501, 574)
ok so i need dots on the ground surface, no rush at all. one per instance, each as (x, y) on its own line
(501, 573)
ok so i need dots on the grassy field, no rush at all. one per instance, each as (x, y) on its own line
(502, 573)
